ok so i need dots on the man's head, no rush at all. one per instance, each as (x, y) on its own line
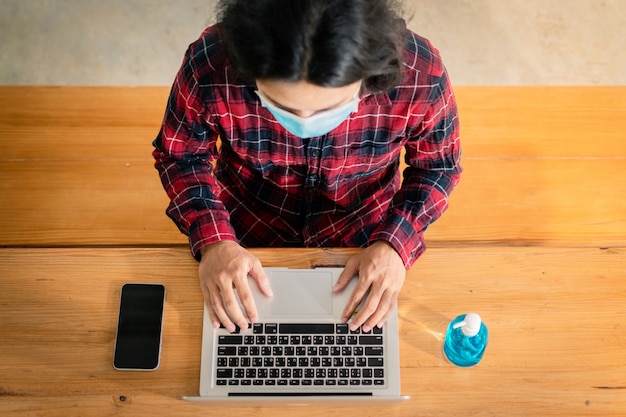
(328, 43)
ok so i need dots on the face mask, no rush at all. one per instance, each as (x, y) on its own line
(317, 125)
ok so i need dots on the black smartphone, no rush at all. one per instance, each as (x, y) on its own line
(139, 326)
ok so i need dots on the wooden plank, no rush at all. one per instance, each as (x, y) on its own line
(80, 122)
(535, 174)
(556, 321)
(84, 203)
(520, 202)
(81, 106)
(542, 122)
(537, 202)
(498, 122)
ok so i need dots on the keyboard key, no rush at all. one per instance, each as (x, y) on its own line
(223, 373)
(230, 340)
(341, 328)
(227, 350)
(306, 328)
(371, 340)
(271, 328)
(374, 351)
(374, 362)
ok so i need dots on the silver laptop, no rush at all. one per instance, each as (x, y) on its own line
(300, 351)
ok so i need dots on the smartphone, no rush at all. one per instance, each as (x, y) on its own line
(139, 327)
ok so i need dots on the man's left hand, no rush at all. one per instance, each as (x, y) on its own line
(381, 273)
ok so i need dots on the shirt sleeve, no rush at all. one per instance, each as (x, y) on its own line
(185, 150)
(433, 170)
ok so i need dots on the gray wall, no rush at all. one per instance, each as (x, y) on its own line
(483, 42)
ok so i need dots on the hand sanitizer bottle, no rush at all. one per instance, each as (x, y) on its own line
(466, 340)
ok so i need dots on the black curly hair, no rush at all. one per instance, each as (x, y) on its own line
(330, 43)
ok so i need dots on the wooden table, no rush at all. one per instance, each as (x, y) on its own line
(557, 322)
(534, 241)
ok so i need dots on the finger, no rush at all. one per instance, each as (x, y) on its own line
(260, 277)
(214, 320)
(247, 301)
(383, 321)
(220, 313)
(382, 311)
(207, 297)
(366, 311)
(232, 308)
(359, 294)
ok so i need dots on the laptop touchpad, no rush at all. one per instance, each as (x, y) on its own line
(301, 294)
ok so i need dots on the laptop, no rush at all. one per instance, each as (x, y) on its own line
(299, 351)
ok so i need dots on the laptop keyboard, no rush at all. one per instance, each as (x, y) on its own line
(292, 354)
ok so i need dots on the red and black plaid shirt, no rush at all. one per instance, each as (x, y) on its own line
(270, 188)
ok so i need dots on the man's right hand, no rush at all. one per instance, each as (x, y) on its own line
(224, 268)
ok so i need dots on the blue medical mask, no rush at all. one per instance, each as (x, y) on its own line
(316, 125)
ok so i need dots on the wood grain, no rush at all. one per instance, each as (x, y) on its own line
(543, 166)
(556, 321)
(534, 241)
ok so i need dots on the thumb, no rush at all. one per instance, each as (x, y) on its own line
(350, 271)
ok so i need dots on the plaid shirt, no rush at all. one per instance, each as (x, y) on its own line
(264, 187)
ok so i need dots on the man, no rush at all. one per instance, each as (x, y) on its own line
(312, 102)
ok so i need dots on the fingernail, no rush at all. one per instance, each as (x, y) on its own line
(366, 329)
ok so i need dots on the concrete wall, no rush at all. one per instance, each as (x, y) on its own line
(483, 42)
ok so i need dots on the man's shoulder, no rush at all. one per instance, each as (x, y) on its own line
(207, 54)
(420, 55)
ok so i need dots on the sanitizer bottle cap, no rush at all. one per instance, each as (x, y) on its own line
(470, 326)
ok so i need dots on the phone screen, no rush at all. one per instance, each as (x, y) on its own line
(138, 340)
